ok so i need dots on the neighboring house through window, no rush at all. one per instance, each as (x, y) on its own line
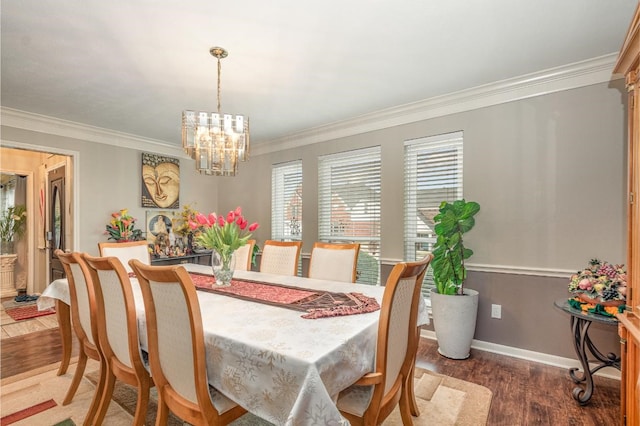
(349, 186)
(286, 201)
(433, 173)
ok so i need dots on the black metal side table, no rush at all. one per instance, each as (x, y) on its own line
(580, 323)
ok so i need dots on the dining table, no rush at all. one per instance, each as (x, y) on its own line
(270, 359)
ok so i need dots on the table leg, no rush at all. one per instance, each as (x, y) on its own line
(64, 324)
(583, 344)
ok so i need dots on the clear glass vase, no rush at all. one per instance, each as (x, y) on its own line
(223, 265)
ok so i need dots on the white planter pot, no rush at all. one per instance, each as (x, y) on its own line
(454, 321)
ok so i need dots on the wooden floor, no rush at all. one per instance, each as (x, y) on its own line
(524, 392)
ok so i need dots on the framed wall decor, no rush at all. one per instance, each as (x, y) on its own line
(160, 181)
(160, 236)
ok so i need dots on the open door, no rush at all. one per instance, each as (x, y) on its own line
(56, 223)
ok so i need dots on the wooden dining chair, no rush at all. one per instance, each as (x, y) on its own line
(335, 262)
(83, 319)
(244, 255)
(177, 350)
(126, 251)
(374, 396)
(280, 257)
(118, 334)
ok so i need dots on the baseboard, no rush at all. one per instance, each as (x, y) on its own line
(542, 358)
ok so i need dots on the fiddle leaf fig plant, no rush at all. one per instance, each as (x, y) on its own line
(449, 253)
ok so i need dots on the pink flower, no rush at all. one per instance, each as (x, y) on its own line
(253, 226)
(585, 284)
(242, 223)
(231, 217)
(202, 219)
(212, 218)
(221, 221)
(192, 225)
(238, 211)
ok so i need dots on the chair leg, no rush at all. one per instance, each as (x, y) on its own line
(103, 395)
(405, 405)
(163, 411)
(409, 383)
(142, 403)
(77, 376)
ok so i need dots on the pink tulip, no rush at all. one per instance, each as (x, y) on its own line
(242, 223)
(231, 217)
(220, 220)
(238, 211)
(212, 218)
(253, 226)
(192, 225)
(202, 219)
(239, 220)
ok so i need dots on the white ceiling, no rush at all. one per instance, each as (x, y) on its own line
(134, 65)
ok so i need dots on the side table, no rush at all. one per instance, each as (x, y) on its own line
(580, 323)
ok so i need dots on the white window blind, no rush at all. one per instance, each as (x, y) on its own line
(433, 173)
(349, 186)
(286, 201)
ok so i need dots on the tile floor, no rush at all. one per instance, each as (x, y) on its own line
(11, 328)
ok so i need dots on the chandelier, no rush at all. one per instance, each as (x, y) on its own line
(216, 141)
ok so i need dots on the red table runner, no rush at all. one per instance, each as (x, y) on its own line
(317, 304)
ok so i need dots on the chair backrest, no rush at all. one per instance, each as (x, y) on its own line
(335, 262)
(126, 251)
(280, 257)
(116, 313)
(83, 302)
(244, 255)
(176, 339)
(397, 337)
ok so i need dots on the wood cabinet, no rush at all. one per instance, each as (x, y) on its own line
(629, 327)
(197, 258)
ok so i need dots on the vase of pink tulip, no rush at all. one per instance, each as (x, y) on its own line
(223, 235)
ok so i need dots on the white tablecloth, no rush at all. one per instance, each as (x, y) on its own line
(279, 366)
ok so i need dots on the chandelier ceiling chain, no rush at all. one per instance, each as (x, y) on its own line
(216, 140)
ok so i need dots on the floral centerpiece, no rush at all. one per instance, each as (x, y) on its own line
(223, 235)
(12, 226)
(182, 225)
(122, 227)
(601, 287)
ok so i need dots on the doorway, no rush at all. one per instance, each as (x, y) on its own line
(41, 163)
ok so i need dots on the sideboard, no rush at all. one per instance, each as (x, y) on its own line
(203, 258)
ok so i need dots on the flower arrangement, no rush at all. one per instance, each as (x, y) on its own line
(182, 220)
(223, 234)
(122, 227)
(601, 283)
(12, 223)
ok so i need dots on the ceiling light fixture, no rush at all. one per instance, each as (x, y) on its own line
(216, 141)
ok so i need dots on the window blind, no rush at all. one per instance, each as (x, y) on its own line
(433, 173)
(286, 201)
(349, 186)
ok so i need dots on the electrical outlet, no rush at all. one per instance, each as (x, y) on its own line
(496, 311)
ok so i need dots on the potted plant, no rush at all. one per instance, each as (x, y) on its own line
(454, 307)
(12, 227)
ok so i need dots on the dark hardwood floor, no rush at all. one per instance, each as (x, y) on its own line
(524, 392)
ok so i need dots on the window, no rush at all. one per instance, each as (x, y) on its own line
(286, 201)
(433, 173)
(349, 205)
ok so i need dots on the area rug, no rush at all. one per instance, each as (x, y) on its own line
(442, 400)
(24, 310)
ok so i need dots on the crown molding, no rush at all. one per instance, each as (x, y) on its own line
(45, 124)
(566, 77)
